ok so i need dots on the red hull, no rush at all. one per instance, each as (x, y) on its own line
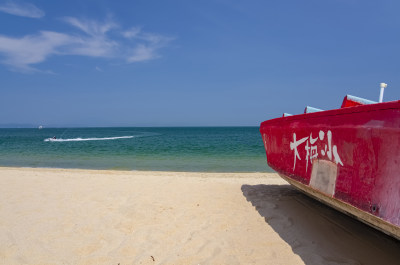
(348, 158)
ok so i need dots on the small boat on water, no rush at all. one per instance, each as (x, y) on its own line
(348, 158)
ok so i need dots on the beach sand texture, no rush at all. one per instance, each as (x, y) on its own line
(67, 216)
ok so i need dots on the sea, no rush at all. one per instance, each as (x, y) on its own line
(193, 149)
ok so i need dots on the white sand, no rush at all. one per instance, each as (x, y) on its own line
(59, 216)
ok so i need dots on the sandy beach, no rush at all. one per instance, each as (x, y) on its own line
(68, 216)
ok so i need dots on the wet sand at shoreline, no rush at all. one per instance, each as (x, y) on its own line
(73, 216)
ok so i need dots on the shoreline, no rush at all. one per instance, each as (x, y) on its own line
(76, 216)
(211, 174)
(138, 170)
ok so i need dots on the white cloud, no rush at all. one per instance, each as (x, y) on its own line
(21, 53)
(91, 39)
(21, 9)
(95, 43)
(142, 53)
(91, 27)
(93, 47)
(133, 32)
(148, 44)
(153, 38)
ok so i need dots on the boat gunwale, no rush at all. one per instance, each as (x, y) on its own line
(336, 112)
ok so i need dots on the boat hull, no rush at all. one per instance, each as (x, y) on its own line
(348, 158)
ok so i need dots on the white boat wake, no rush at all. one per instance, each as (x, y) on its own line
(86, 139)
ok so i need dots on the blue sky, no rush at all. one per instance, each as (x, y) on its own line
(191, 63)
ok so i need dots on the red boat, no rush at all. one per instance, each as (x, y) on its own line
(348, 158)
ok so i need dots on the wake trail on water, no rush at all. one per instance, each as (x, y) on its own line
(87, 139)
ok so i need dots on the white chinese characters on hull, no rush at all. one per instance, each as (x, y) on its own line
(311, 147)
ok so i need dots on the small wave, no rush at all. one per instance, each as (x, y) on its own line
(87, 139)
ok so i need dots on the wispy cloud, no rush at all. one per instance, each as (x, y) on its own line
(91, 38)
(91, 27)
(95, 41)
(22, 9)
(20, 53)
(148, 44)
(141, 53)
(131, 33)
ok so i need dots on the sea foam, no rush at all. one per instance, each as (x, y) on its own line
(87, 139)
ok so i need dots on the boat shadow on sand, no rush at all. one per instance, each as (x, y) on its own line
(318, 233)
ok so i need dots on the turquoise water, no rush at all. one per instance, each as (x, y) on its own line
(207, 149)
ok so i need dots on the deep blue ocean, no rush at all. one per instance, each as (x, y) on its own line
(205, 149)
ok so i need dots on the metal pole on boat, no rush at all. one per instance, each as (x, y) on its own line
(383, 85)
